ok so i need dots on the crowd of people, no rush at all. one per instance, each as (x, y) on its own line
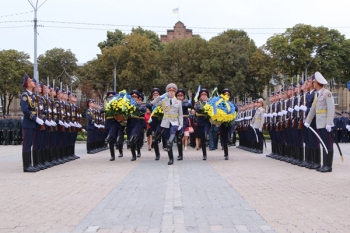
(297, 115)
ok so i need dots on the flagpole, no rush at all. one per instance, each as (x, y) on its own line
(178, 13)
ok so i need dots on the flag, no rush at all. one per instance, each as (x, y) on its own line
(176, 10)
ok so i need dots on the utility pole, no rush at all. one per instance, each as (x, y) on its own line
(36, 8)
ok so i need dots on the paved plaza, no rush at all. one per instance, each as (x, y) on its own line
(248, 193)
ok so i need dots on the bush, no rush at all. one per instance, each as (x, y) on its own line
(82, 136)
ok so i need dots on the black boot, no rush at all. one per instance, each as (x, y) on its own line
(329, 161)
(156, 150)
(27, 164)
(138, 148)
(74, 155)
(120, 148)
(225, 147)
(133, 152)
(317, 161)
(111, 150)
(169, 146)
(179, 148)
(36, 160)
(204, 150)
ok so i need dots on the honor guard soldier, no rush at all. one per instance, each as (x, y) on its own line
(224, 129)
(173, 118)
(271, 126)
(30, 120)
(203, 123)
(7, 126)
(110, 127)
(134, 126)
(323, 110)
(155, 123)
(90, 128)
(257, 123)
(16, 130)
(180, 94)
(1, 130)
(313, 153)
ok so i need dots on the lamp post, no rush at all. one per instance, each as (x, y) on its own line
(313, 59)
(115, 63)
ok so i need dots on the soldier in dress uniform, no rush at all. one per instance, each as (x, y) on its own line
(16, 131)
(90, 128)
(271, 125)
(344, 121)
(289, 130)
(314, 152)
(203, 123)
(258, 122)
(323, 110)
(30, 120)
(7, 125)
(134, 126)
(1, 130)
(224, 129)
(111, 127)
(180, 95)
(300, 134)
(173, 117)
(142, 123)
(155, 123)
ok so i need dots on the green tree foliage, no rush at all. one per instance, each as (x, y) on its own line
(13, 66)
(135, 61)
(154, 38)
(53, 63)
(113, 38)
(304, 46)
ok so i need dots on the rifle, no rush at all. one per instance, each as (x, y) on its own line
(47, 112)
(37, 99)
(53, 115)
(301, 121)
(60, 117)
(289, 122)
(265, 122)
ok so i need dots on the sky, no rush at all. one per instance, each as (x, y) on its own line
(79, 25)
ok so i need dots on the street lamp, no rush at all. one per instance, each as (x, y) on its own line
(313, 59)
(115, 63)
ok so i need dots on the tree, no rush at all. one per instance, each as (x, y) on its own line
(154, 38)
(57, 63)
(113, 38)
(13, 66)
(136, 66)
(304, 46)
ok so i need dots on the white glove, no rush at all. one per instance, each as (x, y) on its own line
(165, 95)
(284, 112)
(50, 110)
(76, 125)
(274, 114)
(80, 126)
(54, 110)
(66, 125)
(280, 114)
(297, 108)
(53, 123)
(71, 124)
(47, 123)
(329, 128)
(179, 128)
(41, 107)
(307, 125)
(95, 125)
(68, 114)
(102, 126)
(269, 115)
(265, 114)
(60, 122)
(260, 129)
(348, 127)
(290, 110)
(39, 121)
(303, 108)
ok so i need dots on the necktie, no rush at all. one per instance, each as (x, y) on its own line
(171, 103)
